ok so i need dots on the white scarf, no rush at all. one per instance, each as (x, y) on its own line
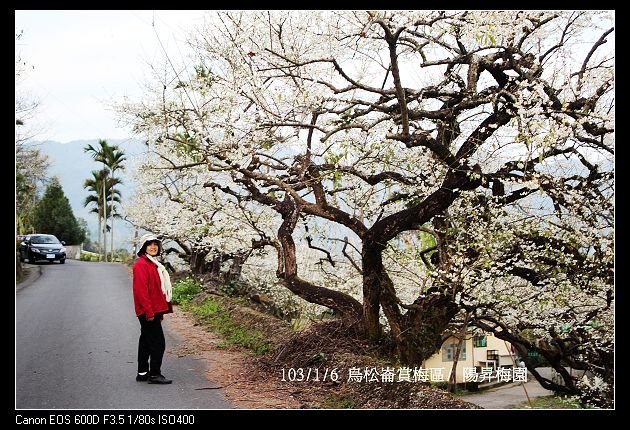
(165, 278)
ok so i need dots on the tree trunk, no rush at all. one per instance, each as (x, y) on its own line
(423, 327)
(417, 334)
(344, 305)
(105, 219)
(197, 261)
(100, 231)
(111, 236)
(214, 266)
(372, 261)
(452, 379)
(234, 273)
(135, 242)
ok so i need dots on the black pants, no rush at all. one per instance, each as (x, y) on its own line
(151, 345)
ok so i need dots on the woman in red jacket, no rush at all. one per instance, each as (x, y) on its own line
(152, 299)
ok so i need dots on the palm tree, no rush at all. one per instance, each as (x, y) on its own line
(95, 184)
(114, 161)
(100, 155)
(104, 189)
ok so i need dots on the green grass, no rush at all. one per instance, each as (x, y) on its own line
(550, 402)
(219, 320)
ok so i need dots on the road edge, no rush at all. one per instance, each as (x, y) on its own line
(32, 274)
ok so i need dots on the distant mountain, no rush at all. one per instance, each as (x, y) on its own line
(73, 166)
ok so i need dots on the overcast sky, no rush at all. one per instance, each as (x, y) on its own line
(77, 60)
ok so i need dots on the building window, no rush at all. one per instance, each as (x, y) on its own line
(448, 351)
(480, 341)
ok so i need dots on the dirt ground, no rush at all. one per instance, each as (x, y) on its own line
(230, 368)
(256, 382)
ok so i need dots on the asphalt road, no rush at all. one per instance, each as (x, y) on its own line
(76, 345)
(507, 396)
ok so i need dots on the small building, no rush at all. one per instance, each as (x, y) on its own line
(478, 351)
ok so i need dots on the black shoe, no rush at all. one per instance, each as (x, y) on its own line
(159, 379)
(144, 377)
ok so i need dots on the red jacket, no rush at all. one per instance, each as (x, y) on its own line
(148, 297)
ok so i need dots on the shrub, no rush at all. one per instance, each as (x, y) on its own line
(184, 290)
(88, 256)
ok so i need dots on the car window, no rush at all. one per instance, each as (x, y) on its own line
(44, 239)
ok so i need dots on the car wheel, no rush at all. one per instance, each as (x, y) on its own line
(62, 261)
